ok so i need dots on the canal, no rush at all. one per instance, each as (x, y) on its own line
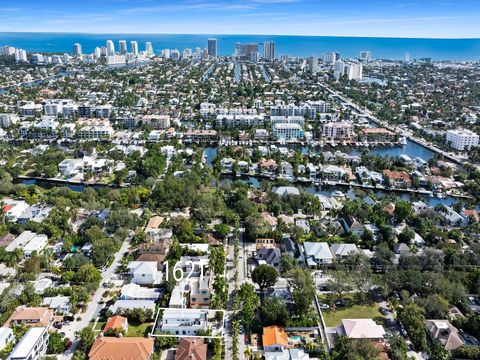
(411, 149)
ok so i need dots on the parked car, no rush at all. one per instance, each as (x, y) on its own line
(324, 306)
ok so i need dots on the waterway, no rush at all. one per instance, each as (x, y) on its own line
(411, 149)
(34, 82)
(47, 184)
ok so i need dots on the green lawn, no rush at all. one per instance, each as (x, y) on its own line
(99, 326)
(138, 330)
(334, 317)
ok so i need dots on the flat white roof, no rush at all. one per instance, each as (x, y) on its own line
(27, 342)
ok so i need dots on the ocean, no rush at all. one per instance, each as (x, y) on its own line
(303, 46)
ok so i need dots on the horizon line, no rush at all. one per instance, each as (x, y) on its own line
(238, 34)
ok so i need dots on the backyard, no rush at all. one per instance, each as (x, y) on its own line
(352, 310)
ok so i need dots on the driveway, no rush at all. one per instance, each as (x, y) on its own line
(93, 307)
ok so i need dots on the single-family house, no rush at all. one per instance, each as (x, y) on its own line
(30, 316)
(183, 321)
(398, 178)
(144, 272)
(361, 329)
(137, 348)
(36, 245)
(136, 292)
(269, 220)
(264, 243)
(286, 170)
(333, 172)
(59, 304)
(274, 339)
(20, 241)
(350, 224)
(445, 333)
(269, 256)
(199, 291)
(267, 167)
(453, 218)
(401, 249)
(116, 322)
(283, 191)
(132, 304)
(317, 253)
(343, 251)
(191, 349)
(287, 354)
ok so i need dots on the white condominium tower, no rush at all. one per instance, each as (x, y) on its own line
(269, 50)
(212, 48)
(312, 63)
(77, 49)
(110, 48)
(97, 52)
(149, 48)
(134, 46)
(462, 139)
(122, 44)
(366, 56)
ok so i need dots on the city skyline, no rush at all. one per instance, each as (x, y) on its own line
(415, 19)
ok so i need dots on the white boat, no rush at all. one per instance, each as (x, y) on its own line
(338, 193)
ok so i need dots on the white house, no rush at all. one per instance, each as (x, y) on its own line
(285, 190)
(144, 272)
(361, 329)
(342, 251)
(133, 304)
(37, 244)
(32, 346)
(287, 354)
(20, 241)
(69, 167)
(317, 253)
(14, 208)
(59, 304)
(184, 321)
(137, 292)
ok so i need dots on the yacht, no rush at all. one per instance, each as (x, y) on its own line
(338, 194)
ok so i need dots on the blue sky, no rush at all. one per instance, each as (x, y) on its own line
(388, 18)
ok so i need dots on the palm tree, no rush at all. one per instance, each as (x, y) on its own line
(248, 353)
(2, 212)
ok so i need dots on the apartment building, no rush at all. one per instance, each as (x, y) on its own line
(337, 130)
(462, 139)
(287, 132)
